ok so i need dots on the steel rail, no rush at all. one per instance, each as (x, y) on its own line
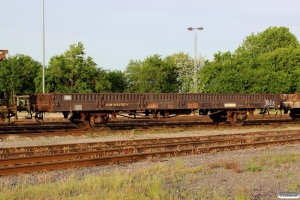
(35, 156)
(50, 129)
(119, 148)
(107, 144)
(79, 162)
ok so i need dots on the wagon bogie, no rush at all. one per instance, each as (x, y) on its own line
(218, 116)
(237, 117)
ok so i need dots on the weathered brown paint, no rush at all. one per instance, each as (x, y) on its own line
(161, 101)
(3, 54)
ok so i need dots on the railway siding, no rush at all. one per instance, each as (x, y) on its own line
(133, 151)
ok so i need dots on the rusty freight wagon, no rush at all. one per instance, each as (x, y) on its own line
(291, 102)
(90, 109)
(7, 107)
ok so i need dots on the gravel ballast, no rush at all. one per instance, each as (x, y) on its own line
(264, 184)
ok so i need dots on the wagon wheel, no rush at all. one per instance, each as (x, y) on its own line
(2, 118)
(86, 120)
(296, 119)
(29, 115)
(82, 126)
(238, 119)
(39, 117)
(78, 123)
(9, 115)
(81, 121)
(294, 114)
(104, 119)
(219, 118)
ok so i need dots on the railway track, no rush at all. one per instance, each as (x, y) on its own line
(53, 157)
(69, 129)
(196, 118)
(50, 129)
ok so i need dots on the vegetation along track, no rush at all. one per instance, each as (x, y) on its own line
(53, 157)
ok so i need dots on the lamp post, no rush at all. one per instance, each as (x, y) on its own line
(43, 49)
(195, 55)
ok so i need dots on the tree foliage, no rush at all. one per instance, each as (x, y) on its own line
(17, 74)
(154, 74)
(185, 69)
(267, 41)
(110, 81)
(264, 63)
(71, 71)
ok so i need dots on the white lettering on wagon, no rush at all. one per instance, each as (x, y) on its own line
(230, 105)
(117, 104)
(269, 103)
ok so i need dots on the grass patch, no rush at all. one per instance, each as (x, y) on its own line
(257, 164)
(158, 182)
(294, 187)
(253, 167)
(232, 164)
(280, 160)
(242, 193)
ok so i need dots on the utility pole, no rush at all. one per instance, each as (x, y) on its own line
(43, 48)
(195, 55)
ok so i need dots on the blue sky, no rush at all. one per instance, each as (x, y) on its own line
(114, 32)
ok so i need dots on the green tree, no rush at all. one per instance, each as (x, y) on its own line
(17, 74)
(117, 80)
(265, 63)
(267, 41)
(185, 68)
(220, 75)
(132, 72)
(154, 74)
(102, 83)
(110, 81)
(70, 72)
(279, 69)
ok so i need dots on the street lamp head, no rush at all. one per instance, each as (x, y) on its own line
(191, 28)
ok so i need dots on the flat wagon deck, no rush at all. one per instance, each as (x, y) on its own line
(93, 108)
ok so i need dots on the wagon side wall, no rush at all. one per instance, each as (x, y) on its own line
(52, 102)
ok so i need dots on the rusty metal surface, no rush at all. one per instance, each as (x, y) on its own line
(41, 102)
(289, 101)
(27, 158)
(2, 54)
(104, 151)
(135, 157)
(137, 142)
(132, 153)
(105, 102)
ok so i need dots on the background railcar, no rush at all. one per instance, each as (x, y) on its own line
(8, 107)
(291, 102)
(93, 108)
